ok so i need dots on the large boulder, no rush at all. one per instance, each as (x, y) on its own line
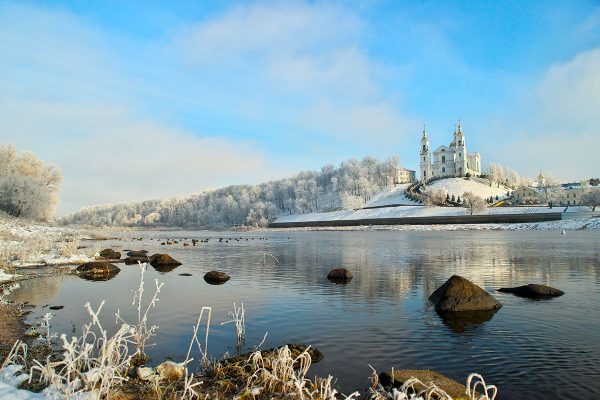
(533, 291)
(216, 277)
(396, 378)
(460, 294)
(339, 275)
(110, 254)
(138, 253)
(97, 270)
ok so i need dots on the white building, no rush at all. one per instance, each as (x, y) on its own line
(448, 161)
(404, 175)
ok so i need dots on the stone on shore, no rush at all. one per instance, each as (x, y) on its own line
(455, 389)
(460, 294)
(533, 291)
(216, 277)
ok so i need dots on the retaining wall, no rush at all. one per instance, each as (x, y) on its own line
(454, 219)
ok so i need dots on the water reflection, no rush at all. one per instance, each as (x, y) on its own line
(458, 322)
(164, 268)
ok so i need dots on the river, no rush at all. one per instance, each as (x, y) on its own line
(542, 349)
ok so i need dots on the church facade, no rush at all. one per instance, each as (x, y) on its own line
(448, 161)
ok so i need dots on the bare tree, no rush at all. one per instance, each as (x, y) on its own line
(474, 203)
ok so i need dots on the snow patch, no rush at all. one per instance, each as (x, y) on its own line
(479, 186)
(393, 196)
(4, 277)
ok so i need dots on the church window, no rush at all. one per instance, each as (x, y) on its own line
(443, 159)
(424, 147)
(443, 169)
(423, 158)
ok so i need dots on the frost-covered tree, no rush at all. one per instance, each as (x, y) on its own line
(474, 203)
(591, 199)
(504, 175)
(28, 187)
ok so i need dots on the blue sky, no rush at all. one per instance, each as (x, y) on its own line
(137, 100)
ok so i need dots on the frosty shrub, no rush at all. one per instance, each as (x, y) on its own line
(434, 197)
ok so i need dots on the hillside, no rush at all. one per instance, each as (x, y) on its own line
(393, 196)
(479, 186)
(349, 185)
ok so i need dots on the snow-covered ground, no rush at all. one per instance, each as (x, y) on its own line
(24, 242)
(392, 196)
(452, 186)
(478, 186)
(10, 378)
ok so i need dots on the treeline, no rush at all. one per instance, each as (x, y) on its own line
(28, 187)
(348, 185)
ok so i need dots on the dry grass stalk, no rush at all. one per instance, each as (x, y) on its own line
(237, 317)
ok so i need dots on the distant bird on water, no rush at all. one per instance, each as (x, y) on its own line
(564, 232)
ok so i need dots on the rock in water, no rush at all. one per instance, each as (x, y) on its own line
(460, 294)
(533, 291)
(138, 253)
(97, 269)
(339, 274)
(110, 254)
(136, 259)
(163, 260)
(216, 277)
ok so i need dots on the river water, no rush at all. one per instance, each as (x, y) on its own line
(542, 349)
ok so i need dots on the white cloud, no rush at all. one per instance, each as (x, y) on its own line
(110, 155)
(361, 122)
(310, 52)
(268, 30)
(65, 94)
(556, 125)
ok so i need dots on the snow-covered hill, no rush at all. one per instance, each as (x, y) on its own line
(394, 196)
(480, 187)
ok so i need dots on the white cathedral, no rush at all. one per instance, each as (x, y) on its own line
(448, 161)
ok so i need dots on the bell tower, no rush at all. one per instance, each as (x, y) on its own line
(425, 157)
(461, 158)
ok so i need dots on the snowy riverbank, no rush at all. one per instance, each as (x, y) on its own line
(26, 243)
